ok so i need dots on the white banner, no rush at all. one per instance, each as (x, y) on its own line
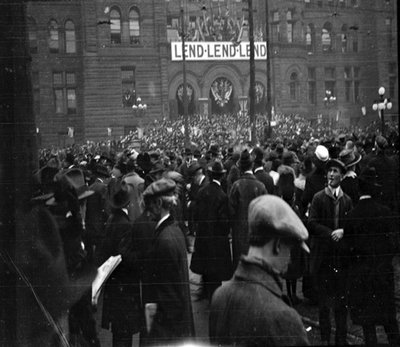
(203, 51)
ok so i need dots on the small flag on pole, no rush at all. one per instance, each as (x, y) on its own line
(109, 131)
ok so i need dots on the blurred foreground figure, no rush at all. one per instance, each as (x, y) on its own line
(250, 309)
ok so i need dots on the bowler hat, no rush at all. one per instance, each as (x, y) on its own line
(118, 193)
(335, 163)
(349, 157)
(217, 167)
(244, 160)
(258, 154)
(163, 186)
(271, 215)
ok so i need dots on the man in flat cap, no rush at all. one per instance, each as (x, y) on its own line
(250, 309)
(167, 287)
(327, 265)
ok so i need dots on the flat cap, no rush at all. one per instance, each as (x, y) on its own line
(274, 216)
(163, 186)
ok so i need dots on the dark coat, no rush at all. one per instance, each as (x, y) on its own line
(168, 285)
(314, 183)
(265, 179)
(321, 224)
(121, 303)
(243, 191)
(250, 310)
(233, 176)
(212, 255)
(350, 187)
(193, 193)
(371, 238)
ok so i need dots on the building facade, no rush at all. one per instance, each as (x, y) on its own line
(93, 59)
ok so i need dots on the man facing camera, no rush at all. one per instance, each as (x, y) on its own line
(250, 309)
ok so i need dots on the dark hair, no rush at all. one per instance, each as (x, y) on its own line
(260, 234)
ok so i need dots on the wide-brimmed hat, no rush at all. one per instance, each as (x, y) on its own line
(335, 163)
(349, 157)
(369, 176)
(245, 159)
(118, 193)
(217, 167)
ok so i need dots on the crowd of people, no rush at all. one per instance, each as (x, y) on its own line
(307, 203)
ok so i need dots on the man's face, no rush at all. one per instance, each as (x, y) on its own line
(334, 176)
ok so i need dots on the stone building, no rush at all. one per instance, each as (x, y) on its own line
(92, 59)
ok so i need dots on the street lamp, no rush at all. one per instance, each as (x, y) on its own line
(329, 101)
(381, 105)
(138, 108)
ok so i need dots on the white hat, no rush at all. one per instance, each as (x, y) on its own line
(322, 153)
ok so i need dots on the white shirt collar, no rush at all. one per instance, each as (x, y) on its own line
(125, 210)
(201, 180)
(258, 169)
(335, 191)
(217, 182)
(363, 197)
(248, 172)
(162, 220)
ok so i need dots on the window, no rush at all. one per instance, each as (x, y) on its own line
(352, 84)
(275, 26)
(308, 3)
(134, 26)
(392, 69)
(310, 38)
(289, 26)
(293, 84)
(32, 36)
(319, 3)
(64, 85)
(53, 37)
(389, 32)
(70, 40)
(128, 86)
(343, 37)
(330, 73)
(312, 90)
(330, 80)
(326, 37)
(354, 37)
(115, 26)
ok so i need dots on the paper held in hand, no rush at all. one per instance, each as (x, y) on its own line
(103, 272)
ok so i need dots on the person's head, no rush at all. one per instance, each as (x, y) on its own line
(381, 143)
(321, 156)
(217, 170)
(335, 170)
(245, 163)
(368, 182)
(160, 197)
(257, 155)
(119, 169)
(274, 228)
(286, 186)
(195, 172)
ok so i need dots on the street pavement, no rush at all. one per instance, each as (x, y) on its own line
(307, 310)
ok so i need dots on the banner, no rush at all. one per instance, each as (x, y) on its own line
(205, 51)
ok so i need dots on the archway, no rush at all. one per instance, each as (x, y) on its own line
(221, 96)
(190, 97)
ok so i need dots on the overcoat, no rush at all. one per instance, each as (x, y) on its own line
(314, 183)
(212, 255)
(266, 179)
(243, 191)
(370, 236)
(121, 302)
(168, 286)
(251, 310)
(321, 225)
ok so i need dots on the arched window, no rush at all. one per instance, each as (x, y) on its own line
(293, 83)
(54, 42)
(343, 38)
(355, 41)
(326, 37)
(310, 38)
(70, 39)
(32, 36)
(134, 26)
(115, 26)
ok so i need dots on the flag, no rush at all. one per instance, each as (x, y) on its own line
(140, 133)
(109, 131)
(363, 110)
(337, 116)
(183, 129)
(70, 132)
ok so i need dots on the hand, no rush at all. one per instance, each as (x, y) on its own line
(337, 234)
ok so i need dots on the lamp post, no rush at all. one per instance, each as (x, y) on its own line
(184, 96)
(329, 101)
(381, 105)
(139, 109)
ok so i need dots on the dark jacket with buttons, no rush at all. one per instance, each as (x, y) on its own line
(251, 310)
